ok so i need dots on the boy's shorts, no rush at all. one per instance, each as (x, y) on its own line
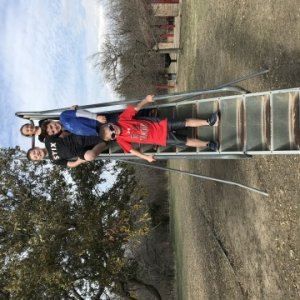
(173, 138)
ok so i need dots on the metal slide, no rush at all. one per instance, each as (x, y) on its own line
(250, 124)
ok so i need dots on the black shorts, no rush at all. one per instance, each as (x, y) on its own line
(173, 138)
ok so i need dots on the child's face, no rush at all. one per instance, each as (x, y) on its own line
(53, 128)
(36, 154)
(111, 132)
(28, 130)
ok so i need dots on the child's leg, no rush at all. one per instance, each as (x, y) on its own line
(213, 120)
(196, 143)
(174, 139)
(195, 122)
(213, 146)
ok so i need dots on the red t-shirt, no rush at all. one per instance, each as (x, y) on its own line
(140, 131)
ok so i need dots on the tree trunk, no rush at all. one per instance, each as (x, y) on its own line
(150, 288)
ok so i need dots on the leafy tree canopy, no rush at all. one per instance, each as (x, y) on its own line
(62, 232)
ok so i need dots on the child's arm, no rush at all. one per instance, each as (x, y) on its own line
(148, 99)
(76, 163)
(149, 158)
(83, 113)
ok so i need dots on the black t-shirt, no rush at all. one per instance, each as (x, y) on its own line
(41, 137)
(61, 150)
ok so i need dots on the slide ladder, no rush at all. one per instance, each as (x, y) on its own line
(250, 124)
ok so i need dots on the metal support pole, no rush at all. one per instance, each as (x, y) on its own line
(229, 86)
(180, 96)
(198, 176)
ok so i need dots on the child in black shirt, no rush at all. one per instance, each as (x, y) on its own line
(62, 150)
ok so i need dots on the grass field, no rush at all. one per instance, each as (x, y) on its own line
(229, 243)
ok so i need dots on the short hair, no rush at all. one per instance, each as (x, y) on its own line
(21, 129)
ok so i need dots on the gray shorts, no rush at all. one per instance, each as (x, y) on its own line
(173, 138)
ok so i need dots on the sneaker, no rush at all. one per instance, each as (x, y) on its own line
(213, 120)
(213, 146)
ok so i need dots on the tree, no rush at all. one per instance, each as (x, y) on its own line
(128, 56)
(62, 235)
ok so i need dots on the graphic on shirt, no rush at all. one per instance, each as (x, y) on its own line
(141, 132)
(53, 147)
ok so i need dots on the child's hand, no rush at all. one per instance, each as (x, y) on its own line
(149, 98)
(101, 119)
(150, 158)
(74, 107)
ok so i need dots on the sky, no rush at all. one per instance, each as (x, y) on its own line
(44, 51)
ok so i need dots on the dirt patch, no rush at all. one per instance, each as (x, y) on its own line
(230, 243)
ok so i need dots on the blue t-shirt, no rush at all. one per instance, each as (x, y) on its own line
(78, 125)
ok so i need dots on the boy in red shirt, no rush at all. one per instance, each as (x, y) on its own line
(146, 131)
